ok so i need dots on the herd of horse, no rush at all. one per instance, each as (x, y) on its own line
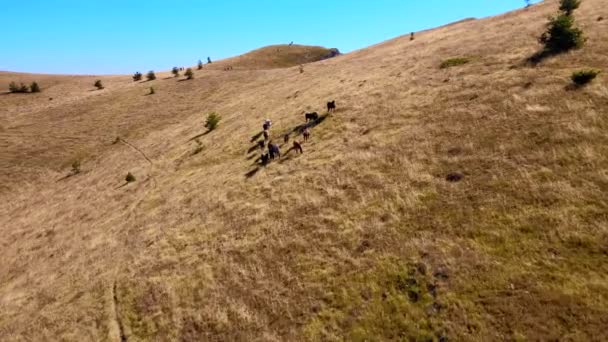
(274, 150)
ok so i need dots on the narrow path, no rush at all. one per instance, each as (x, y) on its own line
(117, 330)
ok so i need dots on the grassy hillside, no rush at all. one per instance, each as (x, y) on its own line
(275, 56)
(359, 238)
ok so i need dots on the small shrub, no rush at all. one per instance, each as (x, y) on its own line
(152, 92)
(175, 71)
(189, 74)
(448, 63)
(561, 35)
(208, 60)
(568, 6)
(130, 178)
(600, 18)
(14, 88)
(137, 76)
(582, 77)
(412, 36)
(213, 119)
(301, 69)
(34, 88)
(98, 84)
(76, 167)
(197, 150)
(200, 65)
(151, 76)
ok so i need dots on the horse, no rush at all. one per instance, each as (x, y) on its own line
(331, 106)
(314, 116)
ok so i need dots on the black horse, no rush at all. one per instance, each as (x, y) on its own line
(331, 106)
(314, 116)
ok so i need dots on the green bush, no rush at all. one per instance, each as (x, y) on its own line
(454, 62)
(14, 88)
(34, 88)
(561, 35)
(582, 77)
(76, 167)
(98, 84)
(200, 65)
(151, 76)
(130, 178)
(175, 71)
(213, 119)
(568, 6)
(137, 76)
(189, 74)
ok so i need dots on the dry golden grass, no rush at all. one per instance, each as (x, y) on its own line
(360, 238)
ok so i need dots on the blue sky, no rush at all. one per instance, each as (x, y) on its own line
(124, 36)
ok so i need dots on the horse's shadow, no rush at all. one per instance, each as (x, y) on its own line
(310, 124)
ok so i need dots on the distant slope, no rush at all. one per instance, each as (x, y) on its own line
(360, 238)
(277, 56)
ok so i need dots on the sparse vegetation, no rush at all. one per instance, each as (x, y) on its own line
(98, 84)
(76, 167)
(189, 74)
(452, 62)
(34, 88)
(561, 35)
(14, 88)
(200, 65)
(412, 36)
(150, 76)
(130, 178)
(213, 120)
(152, 91)
(568, 6)
(582, 77)
(137, 76)
(175, 71)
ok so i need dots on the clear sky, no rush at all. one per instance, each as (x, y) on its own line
(124, 36)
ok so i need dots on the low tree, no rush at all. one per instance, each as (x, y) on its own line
(14, 88)
(151, 76)
(528, 3)
(561, 35)
(189, 74)
(568, 6)
(98, 84)
(582, 77)
(213, 119)
(208, 60)
(130, 178)
(76, 167)
(137, 76)
(175, 71)
(200, 65)
(34, 88)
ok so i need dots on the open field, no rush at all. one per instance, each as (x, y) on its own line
(360, 238)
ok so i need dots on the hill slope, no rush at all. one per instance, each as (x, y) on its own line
(359, 238)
